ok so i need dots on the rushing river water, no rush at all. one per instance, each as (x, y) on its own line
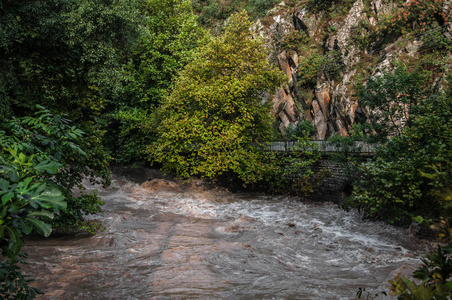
(182, 241)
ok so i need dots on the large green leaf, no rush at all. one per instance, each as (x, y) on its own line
(43, 214)
(51, 198)
(22, 158)
(4, 184)
(48, 166)
(11, 172)
(42, 227)
(23, 226)
(39, 188)
(14, 242)
(6, 197)
(22, 186)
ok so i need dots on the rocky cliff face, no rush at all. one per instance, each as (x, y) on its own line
(344, 43)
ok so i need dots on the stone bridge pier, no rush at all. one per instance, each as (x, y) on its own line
(336, 185)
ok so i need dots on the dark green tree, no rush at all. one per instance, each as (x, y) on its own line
(394, 186)
(167, 41)
(391, 98)
(67, 55)
(63, 54)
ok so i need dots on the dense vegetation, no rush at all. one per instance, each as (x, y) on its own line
(181, 84)
(42, 158)
(214, 119)
(168, 38)
(414, 165)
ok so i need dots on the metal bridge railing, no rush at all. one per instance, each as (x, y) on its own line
(324, 146)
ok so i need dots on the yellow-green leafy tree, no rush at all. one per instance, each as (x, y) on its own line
(216, 115)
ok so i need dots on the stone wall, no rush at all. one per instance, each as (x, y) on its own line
(336, 185)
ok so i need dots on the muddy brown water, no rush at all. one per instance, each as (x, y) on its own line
(165, 240)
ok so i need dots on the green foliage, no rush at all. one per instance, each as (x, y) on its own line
(361, 34)
(302, 129)
(394, 186)
(294, 41)
(37, 157)
(311, 60)
(42, 158)
(66, 55)
(436, 270)
(435, 40)
(27, 198)
(336, 7)
(70, 56)
(435, 274)
(166, 44)
(25, 26)
(413, 15)
(126, 134)
(350, 148)
(214, 117)
(165, 47)
(260, 7)
(333, 64)
(393, 96)
(214, 12)
(309, 65)
(296, 173)
(318, 6)
(13, 284)
(51, 137)
(441, 226)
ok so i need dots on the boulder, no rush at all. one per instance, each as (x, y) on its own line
(284, 119)
(290, 109)
(319, 121)
(284, 64)
(323, 97)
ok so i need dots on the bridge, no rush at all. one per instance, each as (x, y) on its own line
(337, 184)
(325, 147)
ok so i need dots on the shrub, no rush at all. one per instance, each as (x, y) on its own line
(308, 68)
(435, 274)
(302, 129)
(392, 98)
(35, 187)
(413, 15)
(294, 41)
(13, 284)
(333, 64)
(361, 34)
(260, 7)
(295, 172)
(52, 137)
(435, 40)
(394, 186)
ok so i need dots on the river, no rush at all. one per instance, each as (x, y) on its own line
(165, 240)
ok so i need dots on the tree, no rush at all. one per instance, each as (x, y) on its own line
(216, 115)
(391, 98)
(69, 56)
(66, 55)
(166, 43)
(396, 185)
